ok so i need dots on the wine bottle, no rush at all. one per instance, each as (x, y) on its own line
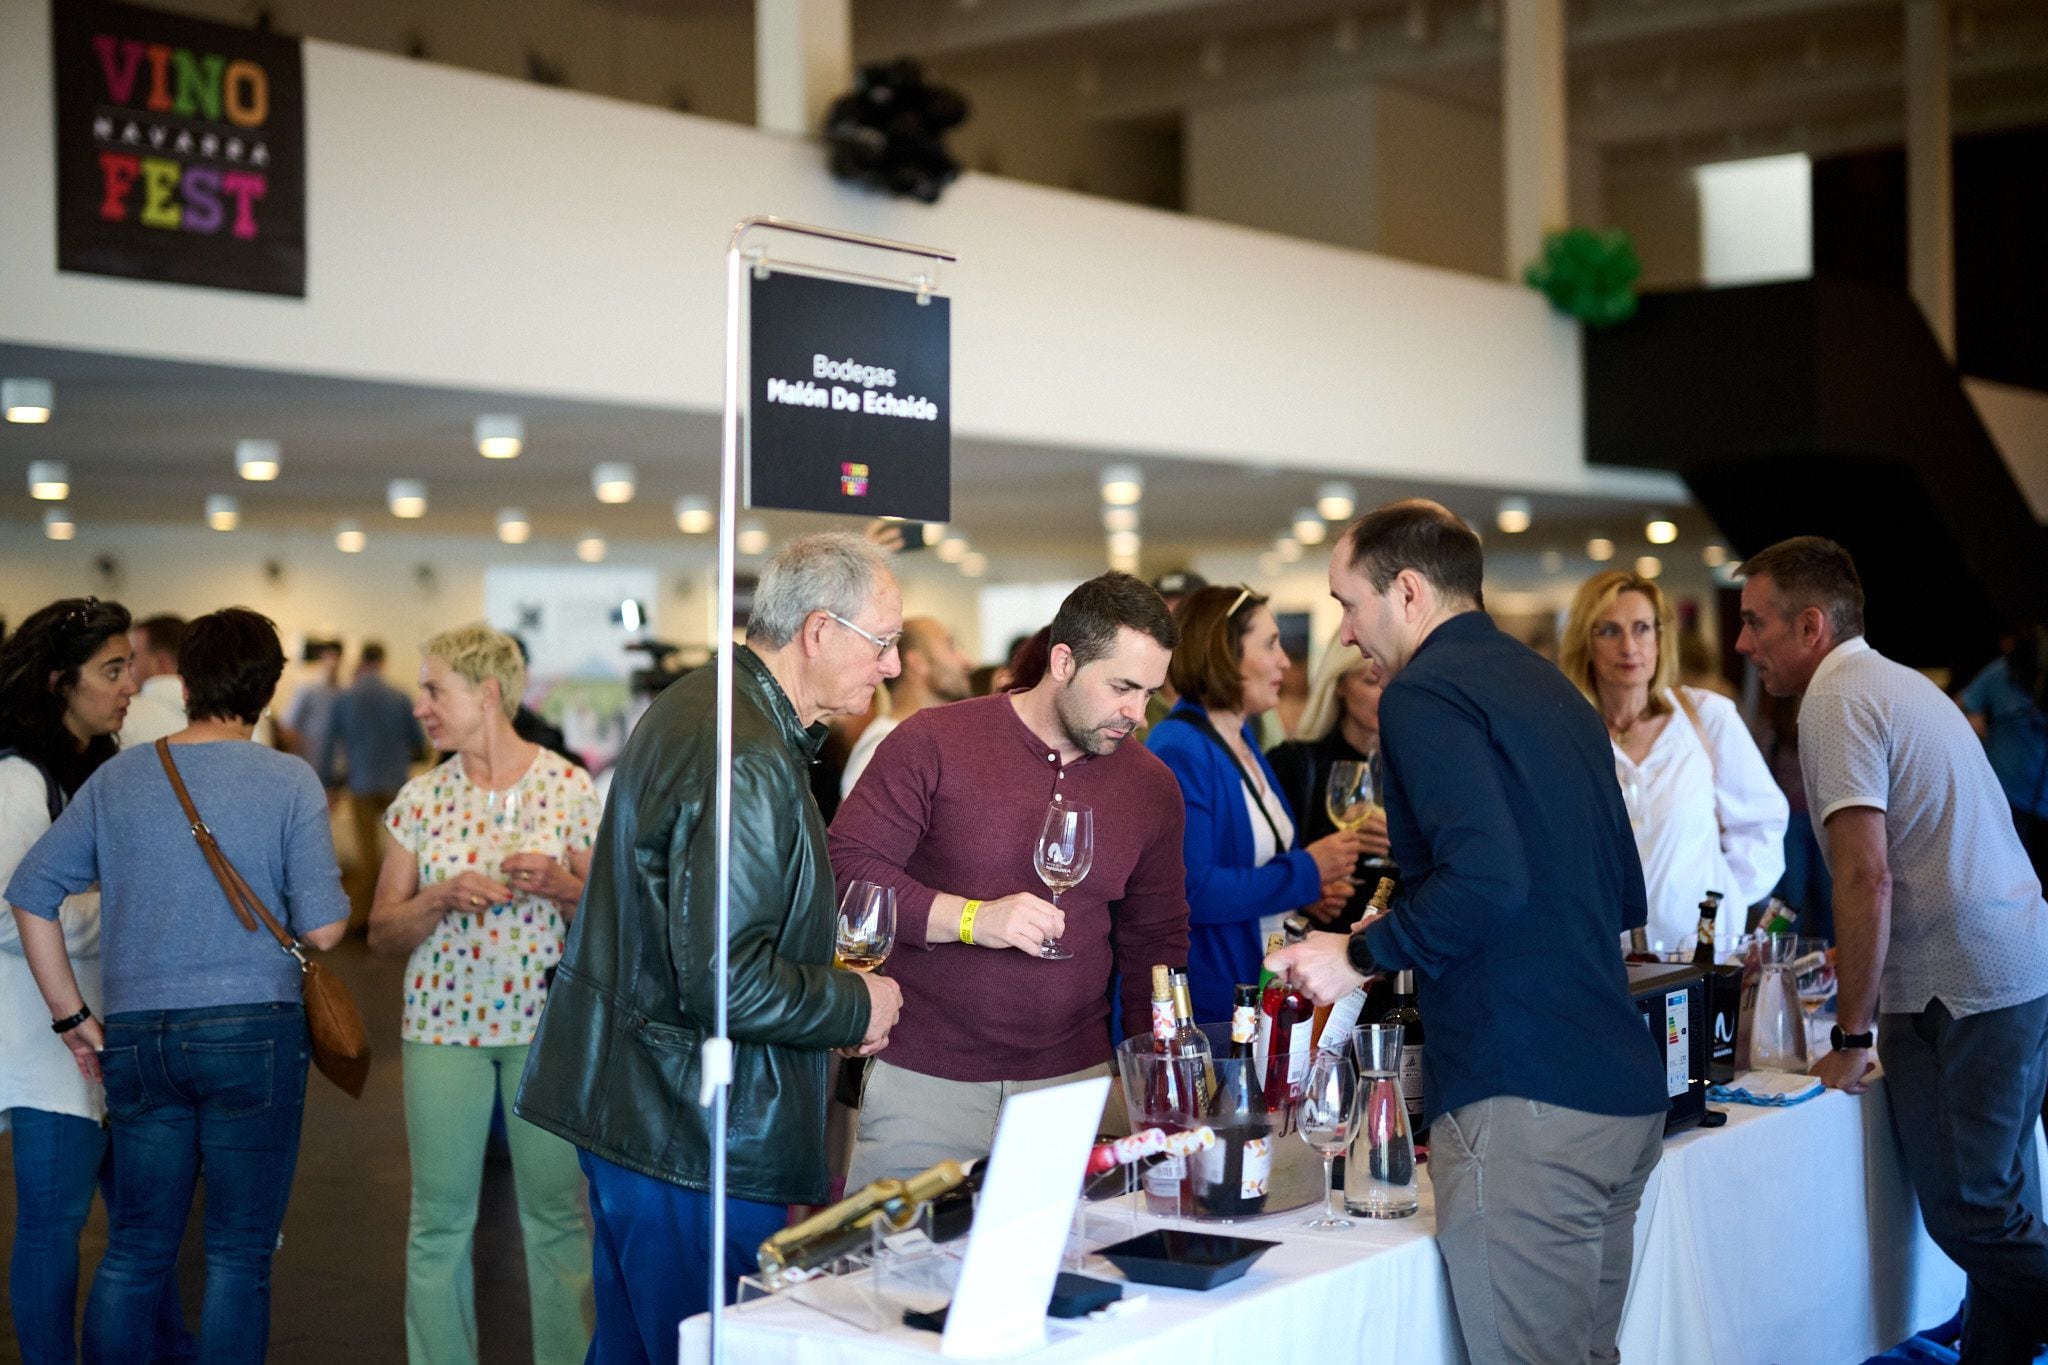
(1233, 1175)
(1289, 1029)
(849, 1226)
(1165, 1094)
(1710, 910)
(1409, 1018)
(1191, 1046)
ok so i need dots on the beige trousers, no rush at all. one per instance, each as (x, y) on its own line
(909, 1122)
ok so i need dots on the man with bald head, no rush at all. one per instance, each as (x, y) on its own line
(1544, 1093)
(934, 673)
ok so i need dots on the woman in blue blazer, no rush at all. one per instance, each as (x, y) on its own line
(1244, 860)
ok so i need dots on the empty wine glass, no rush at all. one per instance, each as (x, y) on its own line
(1325, 1117)
(867, 927)
(1066, 850)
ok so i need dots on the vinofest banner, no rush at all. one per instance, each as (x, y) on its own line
(180, 149)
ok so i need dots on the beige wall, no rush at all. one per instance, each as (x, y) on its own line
(1305, 163)
(1662, 214)
(1440, 182)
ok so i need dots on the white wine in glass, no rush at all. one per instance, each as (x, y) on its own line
(867, 927)
(1348, 795)
(1066, 850)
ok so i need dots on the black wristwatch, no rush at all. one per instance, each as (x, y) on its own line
(66, 1025)
(1843, 1040)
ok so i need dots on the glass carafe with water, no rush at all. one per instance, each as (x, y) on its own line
(1777, 1040)
(1379, 1169)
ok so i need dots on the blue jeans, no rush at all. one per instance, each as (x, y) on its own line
(652, 1255)
(1965, 1097)
(58, 1158)
(222, 1090)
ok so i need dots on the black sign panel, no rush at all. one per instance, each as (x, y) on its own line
(180, 149)
(851, 404)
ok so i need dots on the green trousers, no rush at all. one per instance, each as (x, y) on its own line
(448, 1094)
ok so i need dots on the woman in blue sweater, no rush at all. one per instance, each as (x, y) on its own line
(1244, 860)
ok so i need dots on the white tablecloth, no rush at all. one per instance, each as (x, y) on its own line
(1787, 1236)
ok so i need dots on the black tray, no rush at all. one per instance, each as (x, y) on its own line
(1180, 1259)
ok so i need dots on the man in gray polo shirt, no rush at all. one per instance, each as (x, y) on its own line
(1939, 913)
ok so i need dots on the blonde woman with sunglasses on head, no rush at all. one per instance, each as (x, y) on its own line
(1707, 815)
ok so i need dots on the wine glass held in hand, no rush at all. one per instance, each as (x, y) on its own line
(1066, 850)
(1348, 795)
(1325, 1118)
(867, 927)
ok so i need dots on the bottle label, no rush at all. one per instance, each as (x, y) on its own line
(1244, 1024)
(1298, 1054)
(1255, 1172)
(1411, 1080)
(1163, 1177)
(1162, 1020)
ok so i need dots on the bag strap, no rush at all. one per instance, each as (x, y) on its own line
(241, 899)
(1200, 720)
(1692, 714)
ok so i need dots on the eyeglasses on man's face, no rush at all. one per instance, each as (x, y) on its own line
(882, 643)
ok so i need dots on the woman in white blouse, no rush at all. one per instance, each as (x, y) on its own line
(1707, 815)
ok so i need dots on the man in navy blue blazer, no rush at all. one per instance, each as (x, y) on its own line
(1520, 875)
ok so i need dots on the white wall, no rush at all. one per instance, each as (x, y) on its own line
(481, 233)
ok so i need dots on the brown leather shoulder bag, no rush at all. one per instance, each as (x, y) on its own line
(341, 1045)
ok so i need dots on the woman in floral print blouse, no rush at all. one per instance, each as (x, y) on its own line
(480, 877)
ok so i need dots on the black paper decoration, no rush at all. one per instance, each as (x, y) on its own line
(889, 132)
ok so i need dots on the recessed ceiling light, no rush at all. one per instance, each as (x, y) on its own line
(1714, 555)
(223, 513)
(349, 538)
(1119, 518)
(1336, 501)
(613, 482)
(753, 538)
(500, 436)
(934, 532)
(590, 548)
(1649, 566)
(48, 480)
(1513, 516)
(27, 400)
(1123, 543)
(693, 516)
(953, 549)
(1122, 484)
(57, 523)
(407, 498)
(1308, 526)
(513, 527)
(1599, 549)
(1660, 531)
(258, 461)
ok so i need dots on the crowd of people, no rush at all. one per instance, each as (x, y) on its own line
(559, 947)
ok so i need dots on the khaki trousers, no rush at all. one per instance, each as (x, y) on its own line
(1535, 1220)
(366, 811)
(910, 1122)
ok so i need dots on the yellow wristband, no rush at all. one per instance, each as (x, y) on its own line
(967, 913)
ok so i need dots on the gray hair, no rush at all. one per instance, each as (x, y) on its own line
(833, 571)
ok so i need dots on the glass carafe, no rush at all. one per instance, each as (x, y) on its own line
(1777, 1039)
(1379, 1169)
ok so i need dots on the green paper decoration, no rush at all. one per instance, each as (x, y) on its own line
(1590, 275)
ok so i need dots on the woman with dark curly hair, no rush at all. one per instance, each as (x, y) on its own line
(204, 1050)
(64, 691)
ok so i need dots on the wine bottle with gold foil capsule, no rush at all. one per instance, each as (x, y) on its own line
(849, 1226)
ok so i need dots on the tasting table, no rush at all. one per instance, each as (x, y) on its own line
(1787, 1235)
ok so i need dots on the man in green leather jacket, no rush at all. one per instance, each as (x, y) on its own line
(615, 1066)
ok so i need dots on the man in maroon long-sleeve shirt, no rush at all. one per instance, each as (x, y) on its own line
(949, 813)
